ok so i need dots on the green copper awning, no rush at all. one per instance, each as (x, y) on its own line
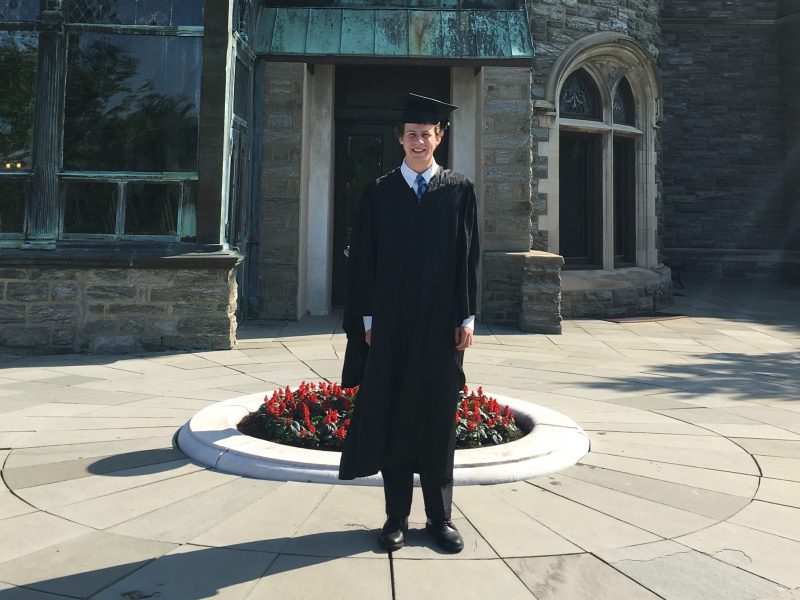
(394, 34)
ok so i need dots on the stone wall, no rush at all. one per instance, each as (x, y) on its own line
(790, 91)
(523, 289)
(279, 276)
(555, 24)
(66, 307)
(722, 125)
(621, 292)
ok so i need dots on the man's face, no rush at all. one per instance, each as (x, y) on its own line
(419, 141)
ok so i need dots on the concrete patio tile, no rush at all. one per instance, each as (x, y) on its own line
(131, 410)
(717, 454)
(779, 492)
(31, 532)
(42, 455)
(676, 572)
(674, 427)
(457, 580)
(714, 505)
(55, 409)
(649, 515)
(305, 577)
(12, 506)
(267, 524)
(770, 556)
(770, 518)
(53, 495)
(10, 439)
(12, 592)
(353, 515)
(509, 531)
(82, 566)
(107, 511)
(779, 467)
(583, 526)
(186, 519)
(733, 484)
(194, 572)
(786, 595)
(57, 438)
(576, 577)
(783, 448)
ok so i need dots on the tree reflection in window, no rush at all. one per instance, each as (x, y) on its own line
(19, 10)
(132, 103)
(579, 98)
(623, 104)
(17, 96)
(136, 12)
(90, 207)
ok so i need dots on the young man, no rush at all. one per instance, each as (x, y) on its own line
(413, 262)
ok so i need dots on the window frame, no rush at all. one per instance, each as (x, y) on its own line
(123, 178)
(606, 132)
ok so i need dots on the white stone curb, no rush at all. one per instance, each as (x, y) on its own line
(211, 438)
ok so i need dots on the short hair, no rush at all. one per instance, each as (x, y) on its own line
(400, 129)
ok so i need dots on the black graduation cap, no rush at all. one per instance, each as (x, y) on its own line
(421, 109)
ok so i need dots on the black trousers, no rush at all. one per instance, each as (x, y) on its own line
(398, 487)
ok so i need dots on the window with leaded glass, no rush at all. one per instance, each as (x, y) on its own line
(624, 201)
(579, 98)
(18, 11)
(624, 108)
(131, 117)
(132, 103)
(166, 13)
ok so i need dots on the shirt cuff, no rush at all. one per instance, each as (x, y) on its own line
(469, 322)
(367, 323)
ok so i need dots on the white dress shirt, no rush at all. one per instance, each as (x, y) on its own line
(410, 175)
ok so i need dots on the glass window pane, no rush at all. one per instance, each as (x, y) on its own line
(132, 103)
(624, 112)
(241, 90)
(579, 98)
(15, 11)
(136, 12)
(90, 207)
(152, 208)
(17, 97)
(12, 204)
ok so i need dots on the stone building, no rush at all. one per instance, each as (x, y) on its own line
(169, 169)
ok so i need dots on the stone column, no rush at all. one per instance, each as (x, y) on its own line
(42, 212)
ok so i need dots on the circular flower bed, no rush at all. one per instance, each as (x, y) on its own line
(317, 416)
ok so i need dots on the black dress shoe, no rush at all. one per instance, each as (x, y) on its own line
(393, 534)
(446, 535)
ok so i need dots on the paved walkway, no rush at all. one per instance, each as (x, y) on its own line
(691, 490)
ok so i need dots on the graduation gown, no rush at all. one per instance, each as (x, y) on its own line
(413, 267)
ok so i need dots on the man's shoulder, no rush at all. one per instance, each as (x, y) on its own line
(450, 177)
(387, 178)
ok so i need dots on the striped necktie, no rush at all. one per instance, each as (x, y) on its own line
(421, 186)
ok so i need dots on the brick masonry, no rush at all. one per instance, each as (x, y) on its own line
(116, 309)
(279, 273)
(730, 81)
(555, 24)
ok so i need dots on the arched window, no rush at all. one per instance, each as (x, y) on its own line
(579, 98)
(624, 109)
(597, 168)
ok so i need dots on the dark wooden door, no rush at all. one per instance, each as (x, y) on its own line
(369, 102)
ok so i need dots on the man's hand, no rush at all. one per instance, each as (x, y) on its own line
(368, 337)
(463, 338)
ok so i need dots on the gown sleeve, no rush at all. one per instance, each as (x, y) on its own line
(468, 258)
(360, 286)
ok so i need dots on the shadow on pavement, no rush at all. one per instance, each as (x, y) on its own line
(737, 376)
(194, 572)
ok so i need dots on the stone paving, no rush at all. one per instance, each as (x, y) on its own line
(691, 489)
